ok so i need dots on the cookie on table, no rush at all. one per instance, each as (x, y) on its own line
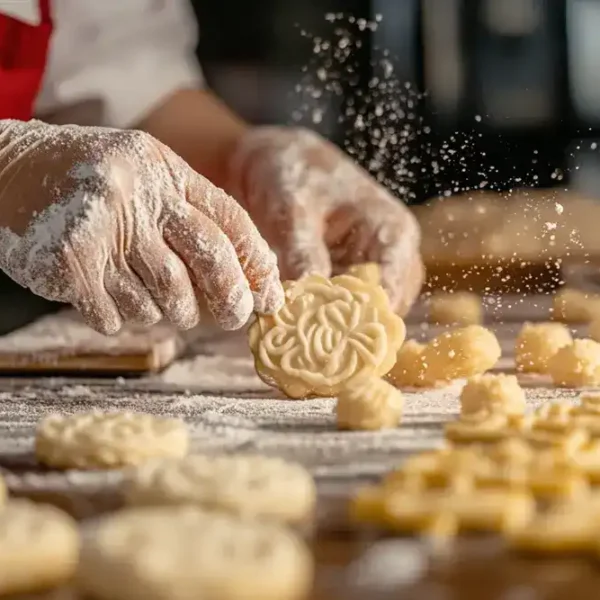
(484, 426)
(242, 484)
(111, 440)
(537, 343)
(458, 308)
(329, 334)
(569, 527)
(496, 392)
(576, 365)
(369, 405)
(39, 547)
(461, 352)
(410, 368)
(571, 305)
(164, 553)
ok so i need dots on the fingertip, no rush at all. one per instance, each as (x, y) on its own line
(101, 316)
(232, 313)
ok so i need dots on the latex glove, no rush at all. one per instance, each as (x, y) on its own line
(322, 213)
(116, 224)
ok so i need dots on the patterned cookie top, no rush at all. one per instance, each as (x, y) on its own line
(248, 485)
(211, 553)
(108, 440)
(329, 333)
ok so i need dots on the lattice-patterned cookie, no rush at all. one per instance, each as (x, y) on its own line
(247, 485)
(369, 404)
(548, 473)
(496, 392)
(368, 272)
(39, 547)
(329, 334)
(447, 512)
(570, 527)
(108, 440)
(162, 553)
(446, 467)
(484, 426)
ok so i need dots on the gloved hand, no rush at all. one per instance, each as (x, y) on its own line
(320, 212)
(116, 224)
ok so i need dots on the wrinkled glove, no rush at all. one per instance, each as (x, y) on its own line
(320, 212)
(116, 224)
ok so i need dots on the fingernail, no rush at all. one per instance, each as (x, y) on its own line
(235, 313)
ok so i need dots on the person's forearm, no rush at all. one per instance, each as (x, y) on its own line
(201, 129)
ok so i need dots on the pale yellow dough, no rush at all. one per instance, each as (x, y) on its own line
(537, 343)
(462, 352)
(494, 392)
(575, 306)
(184, 553)
(242, 484)
(39, 547)
(410, 369)
(369, 405)
(459, 308)
(3, 492)
(576, 365)
(98, 440)
(368, 272)
(329, 333)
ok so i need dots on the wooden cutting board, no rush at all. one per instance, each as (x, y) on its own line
(62, 343)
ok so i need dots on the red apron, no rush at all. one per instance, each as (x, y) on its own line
(23, 55)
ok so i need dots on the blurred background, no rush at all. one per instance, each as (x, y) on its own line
(434, 97)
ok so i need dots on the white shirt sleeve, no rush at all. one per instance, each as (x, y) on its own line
(129, 55)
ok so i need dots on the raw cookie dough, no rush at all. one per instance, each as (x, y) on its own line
(369, 404)
(459, 308)
(246, 485)
(569, 527)
(537, 343)
(575, 306)
(330, 333)
(576, 365)
(368, 272)
(3, 492)
(39, 547)
(184, 553)
(410, 369)
(484, 426)
(99, 440)
(461, 353)
(496, 392)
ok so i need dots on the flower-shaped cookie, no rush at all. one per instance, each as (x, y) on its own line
(330, 333)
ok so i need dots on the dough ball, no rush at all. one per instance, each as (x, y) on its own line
(575, 306)
(462, 352)
(410, 369)
(577, 364)
(460, 308)
(495, 392)
(369, 405)
(537, 343)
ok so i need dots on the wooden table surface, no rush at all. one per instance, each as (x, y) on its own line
(363, 564)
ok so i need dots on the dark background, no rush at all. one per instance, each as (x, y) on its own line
(515, 119)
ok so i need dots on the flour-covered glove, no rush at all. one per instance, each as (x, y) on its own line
(321, 213)
(116, 224)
